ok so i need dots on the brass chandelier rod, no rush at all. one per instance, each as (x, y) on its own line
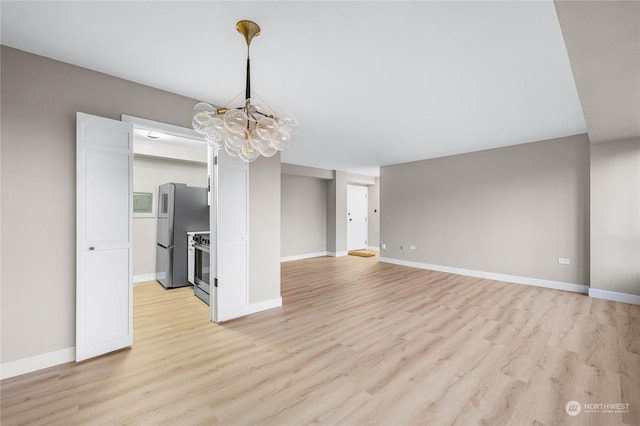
(247, 92)
(249, 30)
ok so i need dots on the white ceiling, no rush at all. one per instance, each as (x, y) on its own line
(371, 83)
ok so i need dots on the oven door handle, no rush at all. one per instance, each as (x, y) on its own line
(201, 247)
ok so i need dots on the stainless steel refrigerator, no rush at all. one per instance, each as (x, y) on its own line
(181, 209)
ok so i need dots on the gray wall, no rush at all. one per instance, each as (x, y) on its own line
(331, 215)
(374, 214)
(615, 216)
(337, 213)
(603, 43)
(264, 229)
(40, 98)
(314, 209)
(148, 173)
(512, 210)
(303, 215)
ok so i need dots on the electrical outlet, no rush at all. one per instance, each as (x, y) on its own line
(564, 261)
(412, 247)
(384, 246)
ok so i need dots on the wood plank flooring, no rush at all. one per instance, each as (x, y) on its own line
(357, 342)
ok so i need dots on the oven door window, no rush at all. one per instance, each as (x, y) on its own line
(202, 267)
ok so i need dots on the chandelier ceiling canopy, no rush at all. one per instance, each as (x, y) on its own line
(251, 129)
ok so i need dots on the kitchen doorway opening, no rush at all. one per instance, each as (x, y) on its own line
(172, 215)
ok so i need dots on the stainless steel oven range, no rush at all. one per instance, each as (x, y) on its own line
(201, 267)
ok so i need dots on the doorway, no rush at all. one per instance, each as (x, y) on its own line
(180, 164)
(178, 158)
(228, 192)
(357, 221)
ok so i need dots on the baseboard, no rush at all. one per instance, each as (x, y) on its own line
(144, 277)
(251, 309)
(264, 305)
(632, 299)
(374, 248)
(38, 362)
(516, 279)
(337, 254)
(303, 256)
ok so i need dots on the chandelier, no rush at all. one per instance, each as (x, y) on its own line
(249, 130)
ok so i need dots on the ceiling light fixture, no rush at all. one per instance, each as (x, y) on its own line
(250, 130)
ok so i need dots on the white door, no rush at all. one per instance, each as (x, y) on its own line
(232, 242)
(357, 217)
(104, 291)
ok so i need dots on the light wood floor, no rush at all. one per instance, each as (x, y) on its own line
(357, 342)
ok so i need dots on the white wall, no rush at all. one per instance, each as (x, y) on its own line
(148, 173)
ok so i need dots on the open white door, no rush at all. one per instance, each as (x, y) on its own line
(104, 290)
(232, 239)
(357, 217)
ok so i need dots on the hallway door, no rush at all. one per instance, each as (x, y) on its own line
(357, 223)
